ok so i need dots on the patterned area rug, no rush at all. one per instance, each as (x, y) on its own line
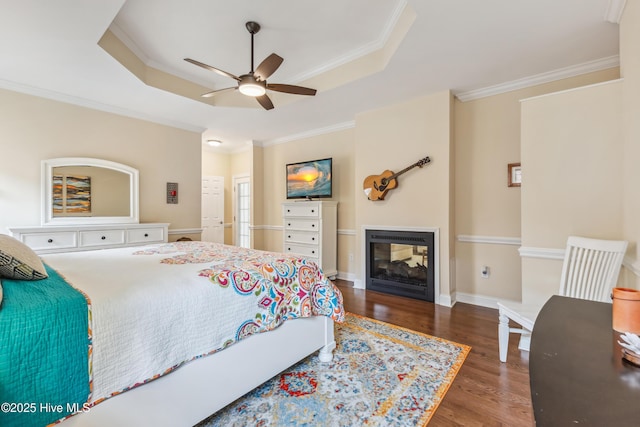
(381, 375)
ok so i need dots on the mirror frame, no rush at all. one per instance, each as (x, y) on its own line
(47, 190)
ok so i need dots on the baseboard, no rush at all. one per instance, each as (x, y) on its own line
(480, 300)
(447, 300)
(342, 275)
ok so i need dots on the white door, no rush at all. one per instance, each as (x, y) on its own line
(242, 211)
(213, 209)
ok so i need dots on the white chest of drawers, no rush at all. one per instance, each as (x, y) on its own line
(310, 230)
(46, 240)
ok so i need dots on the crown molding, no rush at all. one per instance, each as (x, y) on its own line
(550, 76)
(82, 102)
(615, 8)
(364, 50)
(308, 134)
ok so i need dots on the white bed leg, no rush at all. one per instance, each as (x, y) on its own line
(326, 352)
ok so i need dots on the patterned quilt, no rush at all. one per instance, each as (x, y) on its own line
(286, 286)
(157, 307)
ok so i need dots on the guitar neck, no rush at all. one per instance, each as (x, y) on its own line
(408, 168)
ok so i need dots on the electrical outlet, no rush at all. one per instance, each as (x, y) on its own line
(485, 272)
(350, 257)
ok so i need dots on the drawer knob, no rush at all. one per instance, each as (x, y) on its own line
(289, 236)
(289, 224)
(146, 234)
(313, 225)
(312, 210)
(313, 238)
(288, 210)
(50, 241)
(104, 237)
(313, 252)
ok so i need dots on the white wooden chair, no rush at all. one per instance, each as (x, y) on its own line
(590, 271)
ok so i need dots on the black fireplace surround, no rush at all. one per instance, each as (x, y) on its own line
(401, 263)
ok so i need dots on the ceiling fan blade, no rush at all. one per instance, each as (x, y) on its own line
(210, 68)
(296, 90)
(265, 102)
(214, 92)
(268, 67)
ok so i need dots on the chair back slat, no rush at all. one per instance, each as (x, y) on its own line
(591, 268)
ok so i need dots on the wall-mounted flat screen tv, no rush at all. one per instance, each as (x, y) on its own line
(310, 179)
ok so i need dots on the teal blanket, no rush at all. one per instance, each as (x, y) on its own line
(44, 351)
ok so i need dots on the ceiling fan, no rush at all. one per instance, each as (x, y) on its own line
(254, 83)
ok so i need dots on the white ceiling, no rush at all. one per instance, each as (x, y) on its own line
(49, 48)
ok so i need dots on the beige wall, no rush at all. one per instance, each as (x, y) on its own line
(630, 70)
(487, 139)
(572, 154)
(394, 138)
(592, 135)
(338, 146)
(258, 197)
(33, 129)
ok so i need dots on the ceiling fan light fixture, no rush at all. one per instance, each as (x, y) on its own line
(251, 87)
(254, 83)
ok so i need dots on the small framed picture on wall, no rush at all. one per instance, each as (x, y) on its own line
(514, 174)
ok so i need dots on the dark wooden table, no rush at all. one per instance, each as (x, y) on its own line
(577, 374)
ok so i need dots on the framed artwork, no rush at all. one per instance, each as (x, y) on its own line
(514, 174)
(71, 194)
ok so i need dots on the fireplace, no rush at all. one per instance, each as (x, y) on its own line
(401, 263)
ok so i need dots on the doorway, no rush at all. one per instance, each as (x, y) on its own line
(213, 209)
(242, 211)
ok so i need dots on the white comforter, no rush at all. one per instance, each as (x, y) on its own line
(149, 317)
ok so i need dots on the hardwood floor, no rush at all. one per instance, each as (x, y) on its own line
(485, 391)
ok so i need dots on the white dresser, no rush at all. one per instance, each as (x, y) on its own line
(51, 239)
(311, 230)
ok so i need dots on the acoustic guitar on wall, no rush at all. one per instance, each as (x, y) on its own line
(376, 186)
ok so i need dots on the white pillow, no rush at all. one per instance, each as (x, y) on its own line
(18, 261)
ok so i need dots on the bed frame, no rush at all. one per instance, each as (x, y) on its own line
(204, 386)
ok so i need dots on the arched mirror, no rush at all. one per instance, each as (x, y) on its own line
(79, 190)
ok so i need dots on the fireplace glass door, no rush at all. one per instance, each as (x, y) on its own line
(401, 263)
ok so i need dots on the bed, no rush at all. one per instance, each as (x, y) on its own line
(172, 332)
